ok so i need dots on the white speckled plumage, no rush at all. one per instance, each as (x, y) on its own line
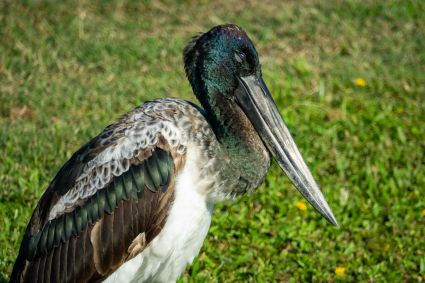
(140, 129)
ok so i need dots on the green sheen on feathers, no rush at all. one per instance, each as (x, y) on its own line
(153, 174)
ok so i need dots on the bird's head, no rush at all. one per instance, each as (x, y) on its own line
(215, 59)
(224, 62)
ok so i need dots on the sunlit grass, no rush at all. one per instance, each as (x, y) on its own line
(348, 77)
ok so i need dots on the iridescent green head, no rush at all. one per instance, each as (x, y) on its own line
(215, 59)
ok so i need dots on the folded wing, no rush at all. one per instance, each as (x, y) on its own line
(90, 222)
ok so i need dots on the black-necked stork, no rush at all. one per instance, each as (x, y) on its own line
(135, 203)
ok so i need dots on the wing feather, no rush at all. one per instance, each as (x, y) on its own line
(119, 232)
(72, 267)
(48, 267)
(34, 269)
(153, 170)
(41, 262)
(59, 271)
(102, 228)
(113, 192)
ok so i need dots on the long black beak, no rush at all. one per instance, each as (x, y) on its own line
(257, 103)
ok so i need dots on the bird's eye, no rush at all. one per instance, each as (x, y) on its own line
(240, 57)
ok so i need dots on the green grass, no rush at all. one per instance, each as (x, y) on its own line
(69, 69)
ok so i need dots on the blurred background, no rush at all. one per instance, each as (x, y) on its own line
(348, 76)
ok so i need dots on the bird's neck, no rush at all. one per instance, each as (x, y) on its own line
(241, 158)
(234, 131)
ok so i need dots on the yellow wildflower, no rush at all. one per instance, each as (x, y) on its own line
(340, 271)
(301, 205)
(386, 247)
(423, 212)
(399, 110)
(360, 82)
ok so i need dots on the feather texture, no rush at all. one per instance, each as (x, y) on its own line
(76, 235)
(112, 199)
(105, 215)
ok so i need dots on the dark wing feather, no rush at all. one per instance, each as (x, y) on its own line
(90, 242)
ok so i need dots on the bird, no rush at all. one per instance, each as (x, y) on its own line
(135, 203)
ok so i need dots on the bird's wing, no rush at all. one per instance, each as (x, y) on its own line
(106, 203)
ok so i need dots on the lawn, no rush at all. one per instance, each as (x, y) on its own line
(348, 76)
